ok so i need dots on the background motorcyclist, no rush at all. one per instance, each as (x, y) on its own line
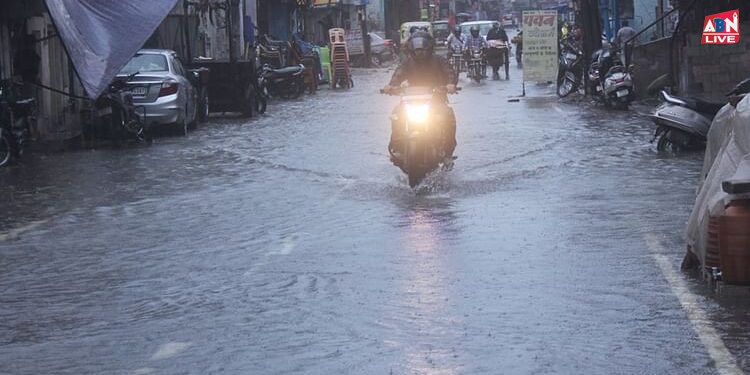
(475, 41)
(497, 57)
(455, 42)
(423, 68)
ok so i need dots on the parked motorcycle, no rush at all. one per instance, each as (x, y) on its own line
(476, 65)
(423, 149)
(570, 70)
(682, 123)
(118, 115)
(286, 83)
(609, 81)
(16, 118)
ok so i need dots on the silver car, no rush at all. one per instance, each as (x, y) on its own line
(162, 88)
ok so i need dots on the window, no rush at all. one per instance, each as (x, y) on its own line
(145, 63)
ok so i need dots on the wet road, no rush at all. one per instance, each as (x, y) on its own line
(289, 244)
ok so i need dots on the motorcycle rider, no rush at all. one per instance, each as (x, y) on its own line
(423, 68)
(475, 41)
(455, 42)
(494, 56)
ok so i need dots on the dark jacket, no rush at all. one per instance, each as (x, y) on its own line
(499, 34)
(434, 72)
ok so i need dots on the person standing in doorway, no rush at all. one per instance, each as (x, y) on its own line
(624, 35)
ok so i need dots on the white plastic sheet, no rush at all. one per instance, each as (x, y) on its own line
(101, 36)
(728, 145)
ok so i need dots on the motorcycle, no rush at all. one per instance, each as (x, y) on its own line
(610, 82)
(287, 82)
(423, 149)
(476, 65)
(118, 115)
(16, 119)
(682, 123)
(456, 60)
(498, 55)
(570, 71)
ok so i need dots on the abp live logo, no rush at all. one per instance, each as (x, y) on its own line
(722, 28)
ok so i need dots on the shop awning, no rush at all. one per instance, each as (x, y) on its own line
(102, 36)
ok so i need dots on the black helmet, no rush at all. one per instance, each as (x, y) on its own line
(474, 31)
(421, 44)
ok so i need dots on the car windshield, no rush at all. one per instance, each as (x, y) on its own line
(440, 26)
(484, 28)
(146, 63)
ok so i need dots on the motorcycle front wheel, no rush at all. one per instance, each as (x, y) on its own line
(566, 84)
(6, 150)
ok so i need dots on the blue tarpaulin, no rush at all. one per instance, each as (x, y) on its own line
(102, 36)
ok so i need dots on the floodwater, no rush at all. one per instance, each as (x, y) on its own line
(288, 244)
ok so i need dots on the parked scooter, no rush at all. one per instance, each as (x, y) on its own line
(682, 123)
(287, 83)
(609, 81)
(423, 147)
(16, 118)
(570, 70)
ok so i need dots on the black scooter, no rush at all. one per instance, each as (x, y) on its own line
(287, 82)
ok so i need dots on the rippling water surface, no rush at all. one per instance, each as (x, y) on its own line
(289, 244)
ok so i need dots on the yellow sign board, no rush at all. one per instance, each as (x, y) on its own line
(324, 3)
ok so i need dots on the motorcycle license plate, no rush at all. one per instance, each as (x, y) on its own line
(622, 93)
(104, 111)
(570, 56)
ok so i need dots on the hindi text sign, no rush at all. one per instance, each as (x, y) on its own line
(540, 55)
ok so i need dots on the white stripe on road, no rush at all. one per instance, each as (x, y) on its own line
(726, 363)
(14, 233)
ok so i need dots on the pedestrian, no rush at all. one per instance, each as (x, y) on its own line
(624, 35)
(498, 57)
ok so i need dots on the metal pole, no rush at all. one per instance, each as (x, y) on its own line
(365, 36)
(186, 33)
(229, 14)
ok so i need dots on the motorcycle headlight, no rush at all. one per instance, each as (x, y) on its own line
(418, 113)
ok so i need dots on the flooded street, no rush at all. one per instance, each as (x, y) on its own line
(289, 244)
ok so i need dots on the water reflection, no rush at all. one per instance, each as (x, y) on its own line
(428, 224)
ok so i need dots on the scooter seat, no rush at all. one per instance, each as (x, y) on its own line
(289, 70)
(696, 104)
